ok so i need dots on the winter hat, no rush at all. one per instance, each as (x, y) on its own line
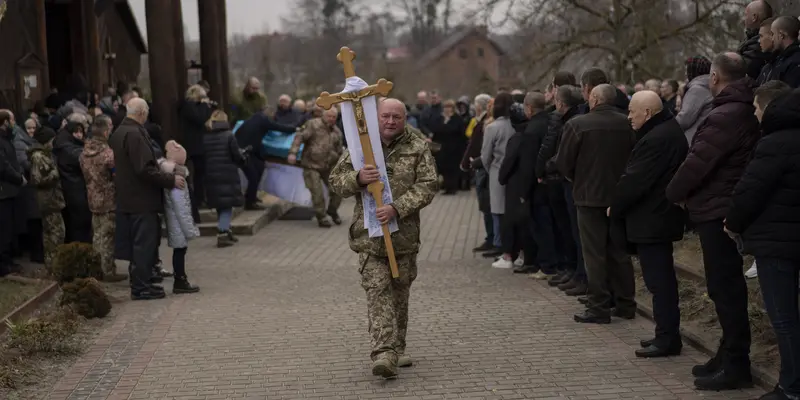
(697, 66)
(175, 152)
(44, 135)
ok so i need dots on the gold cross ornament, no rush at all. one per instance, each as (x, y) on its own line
(327, 100)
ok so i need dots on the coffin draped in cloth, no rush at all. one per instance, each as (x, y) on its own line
(279, 179)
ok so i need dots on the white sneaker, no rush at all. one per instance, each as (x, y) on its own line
(519, 261)
(503, 263)
(752, 272)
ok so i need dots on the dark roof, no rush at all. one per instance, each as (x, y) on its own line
(129, 20)
(452, 41)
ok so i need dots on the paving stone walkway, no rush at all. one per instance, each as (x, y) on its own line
(282, 316)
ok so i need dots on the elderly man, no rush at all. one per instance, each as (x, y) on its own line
(431, 114)
(286, 114)
(592, 155)
(754, 14)
(323, 147)
(252, 101)
(97, 164)
(720, 151)
(412, 177)
(139, 186)
(653, 85)
(12, 179)
(651, 221)
(786, 67)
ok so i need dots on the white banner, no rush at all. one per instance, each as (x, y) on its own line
(355, 84)
(285, 182)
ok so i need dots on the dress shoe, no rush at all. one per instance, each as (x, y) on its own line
(486, 246)
(726, 378)
(654, 351)
(148, 295)
(493, 253)
(524, 269)
(646, 342)
(583, 299)
(711, 366)
(624, 314)
(775, 394)
(579, 290)
(563, 277)
(384, 368)
(156, 279)
(569, 284)
(587, 317)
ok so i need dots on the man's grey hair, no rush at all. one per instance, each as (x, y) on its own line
(570, 95)
(101, 123)
(78, 118)
(606, 94)
(482, 101)
(535, 100)
(136, 106)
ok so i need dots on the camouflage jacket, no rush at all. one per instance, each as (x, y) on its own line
(323, 145)
(45, 178)
(414, 182)
(97, 164)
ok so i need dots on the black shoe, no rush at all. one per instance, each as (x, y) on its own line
(524, 269)
(336, 219)
(569, 284)
(486, 246)
(579, 290)
(232, 237)
(775, 394)
(587, 317)
(583, 300)
(183, 286)
(148, 295)
(156, 279)
(254, 207)
(630, 314)
(653, 351)
(646, 342)
(494, 253)
(559, 279)
(710, 367)
(164, 273)
(725, 378)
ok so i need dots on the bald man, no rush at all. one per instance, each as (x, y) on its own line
(139, 183)
(652, 222)
(413, 180)
(720, 151)
(323, 147)
(592, 155)
(754, 14)
(252, 101)
(786, 66)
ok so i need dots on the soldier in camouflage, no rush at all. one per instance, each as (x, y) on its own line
(50, 198)
(412, 177)
(323, 147)
(97, 164)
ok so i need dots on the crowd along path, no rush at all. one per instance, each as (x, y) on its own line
(282, 316)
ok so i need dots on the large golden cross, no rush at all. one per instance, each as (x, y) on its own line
(327, 100)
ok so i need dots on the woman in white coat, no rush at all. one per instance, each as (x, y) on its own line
(495, 138)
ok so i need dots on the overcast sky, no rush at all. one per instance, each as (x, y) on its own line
(244, 16)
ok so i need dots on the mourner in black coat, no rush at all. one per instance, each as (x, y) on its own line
(223, 159)
(652, 222)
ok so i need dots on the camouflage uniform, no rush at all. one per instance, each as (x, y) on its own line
(412, 176)
(49, 196)
(97, 164)
(323, 147)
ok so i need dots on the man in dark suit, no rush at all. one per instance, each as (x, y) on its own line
(652, 222)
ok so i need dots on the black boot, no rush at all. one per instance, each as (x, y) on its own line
(726, 378)
(711, 366)
(183, 286)
(232, 237)
(486, 246)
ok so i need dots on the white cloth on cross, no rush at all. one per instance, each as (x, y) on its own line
(369, 104)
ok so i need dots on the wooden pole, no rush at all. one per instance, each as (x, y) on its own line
(180, 48)
(93, 56)
(41, 20)
(210, 47)
(222, 16)
(161, 59)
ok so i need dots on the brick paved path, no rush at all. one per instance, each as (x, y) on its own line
(282, 316)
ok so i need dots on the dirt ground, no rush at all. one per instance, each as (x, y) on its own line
(697, 309)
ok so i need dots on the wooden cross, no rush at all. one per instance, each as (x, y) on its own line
(327, 100)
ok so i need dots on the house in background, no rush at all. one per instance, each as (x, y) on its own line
(52, 43)
(464, 63)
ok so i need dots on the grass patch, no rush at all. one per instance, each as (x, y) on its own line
(14, 294)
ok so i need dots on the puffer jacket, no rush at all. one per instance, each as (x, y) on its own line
(178, 211)
(11, 173)
(97, 164)
(27, 194)
(45, 178)
(695, 106)
(68, 152)
(750, 50)
(223, 160)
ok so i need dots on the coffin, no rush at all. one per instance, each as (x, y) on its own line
(275, 144)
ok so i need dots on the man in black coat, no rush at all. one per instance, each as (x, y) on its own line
(764, 213)
(250, 134)
(754, 14)
(11, 180)
(786, 66)
(593, 153)
(652, 222)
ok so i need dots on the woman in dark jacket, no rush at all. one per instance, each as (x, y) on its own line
(223, 185)
(766, 213)
(67, 149)
(195, 110)
(448, 130)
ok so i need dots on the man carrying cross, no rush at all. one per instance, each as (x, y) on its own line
(412, 177)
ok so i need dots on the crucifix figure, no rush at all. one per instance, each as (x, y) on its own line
(327, 100)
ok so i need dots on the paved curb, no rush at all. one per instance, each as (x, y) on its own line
(29, 306)
(761, 377)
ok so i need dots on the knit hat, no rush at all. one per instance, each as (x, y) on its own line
(697, 66)
(44, 135)
(175, 152)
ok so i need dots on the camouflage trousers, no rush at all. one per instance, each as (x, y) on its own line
(53, 233)
(314, 180)
(387, 303)
(103, 225)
